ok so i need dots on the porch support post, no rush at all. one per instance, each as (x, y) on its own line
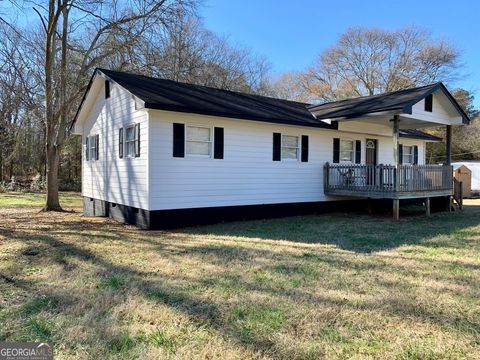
(448, 145)
(427, 206)
(396, 159)
(448, 159)
(396, 162)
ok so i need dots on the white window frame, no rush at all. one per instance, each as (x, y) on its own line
(411, 155)
(210, 142)
(92, 151)
(352, 152)
(126, 141)
(298, 148)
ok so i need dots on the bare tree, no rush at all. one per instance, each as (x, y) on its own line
(291, 86)
(368, 61)
(77, 36)
(54, 60)
(186, 51)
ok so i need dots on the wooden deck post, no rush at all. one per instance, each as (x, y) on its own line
(427, 206)
(448, 158)
(396, 209)
(448, 145)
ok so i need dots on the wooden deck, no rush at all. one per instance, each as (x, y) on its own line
(388, 182)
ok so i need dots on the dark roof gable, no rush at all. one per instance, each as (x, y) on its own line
(171, 95)
(401, 100)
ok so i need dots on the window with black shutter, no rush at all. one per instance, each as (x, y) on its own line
(415, 155)
(97, 142)
(277, 146)
(218, 140)
(120, 143)
(429, 103)
(93, 147)
(304, 155)
(107, 89)
(336, 150)
(87, 149)
(178, 140)
(358, 152)
(137, 140)
(130, 141)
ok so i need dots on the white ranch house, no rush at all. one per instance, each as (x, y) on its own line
(160, 154)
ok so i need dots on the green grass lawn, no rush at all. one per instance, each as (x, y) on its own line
(336, 286)
(18, 200)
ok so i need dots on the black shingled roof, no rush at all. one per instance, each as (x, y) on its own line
(171, 95)
(176, 96)
(417, 134)
(401, 100)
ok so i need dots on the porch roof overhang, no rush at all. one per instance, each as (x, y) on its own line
(381, 108)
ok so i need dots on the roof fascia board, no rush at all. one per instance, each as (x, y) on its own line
(320, 124)
(359, 116)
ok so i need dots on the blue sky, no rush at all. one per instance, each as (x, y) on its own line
(290, 34)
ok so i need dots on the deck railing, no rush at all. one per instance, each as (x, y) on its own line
(375, 180)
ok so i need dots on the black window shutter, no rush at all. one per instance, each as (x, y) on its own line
(178, 140)
(429, 103)
(107, 89)
(97, 138)
(120, 143)
(218, 143)
(87, 149)
(358, 151)
(277, 143)
(336, 150)
(304, 148)
(137, 140)
(400, 154)
(415, 155)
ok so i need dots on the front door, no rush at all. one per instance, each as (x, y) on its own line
(371, 152)
(371, 159)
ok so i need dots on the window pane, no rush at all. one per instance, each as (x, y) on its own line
(198, 133)
(289, 153)
(346, 145)
(130, 133)
(130, 148)
(198, 148)
(407, 159)
(346, 155)
(290, 141)
(408, 150)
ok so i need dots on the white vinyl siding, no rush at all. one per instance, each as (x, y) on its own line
(290, 147)
(121, 181)
(247, 175)
(199, 141)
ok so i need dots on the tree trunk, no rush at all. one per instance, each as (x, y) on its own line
(53, 161)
